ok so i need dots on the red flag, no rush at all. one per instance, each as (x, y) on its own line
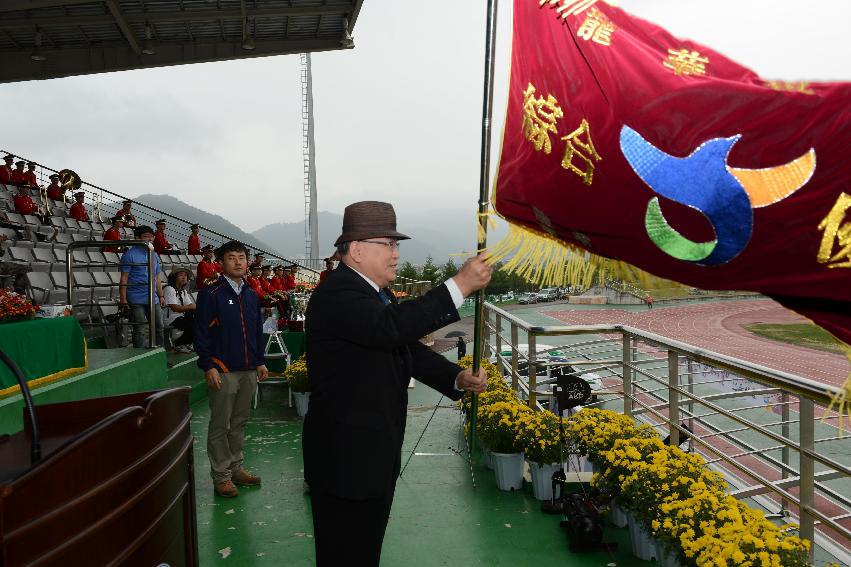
(630, 143)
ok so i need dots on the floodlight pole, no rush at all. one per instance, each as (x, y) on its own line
(484, 183)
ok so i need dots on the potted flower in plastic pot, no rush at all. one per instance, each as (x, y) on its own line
(499, 432)
(539, 436)
(296, 377)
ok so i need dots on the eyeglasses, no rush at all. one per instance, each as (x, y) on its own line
(392, 245)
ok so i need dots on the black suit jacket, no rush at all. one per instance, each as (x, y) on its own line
(361, 354)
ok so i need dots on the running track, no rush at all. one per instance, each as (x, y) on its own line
(719, 326)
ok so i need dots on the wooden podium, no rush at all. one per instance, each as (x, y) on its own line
(115, 485)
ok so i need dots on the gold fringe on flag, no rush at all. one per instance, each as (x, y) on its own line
(546, 261)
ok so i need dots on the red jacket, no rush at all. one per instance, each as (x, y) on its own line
(18, 176)
(207, 271)
(278, 283)
(267, 285)
(161, 243)
(289, 282)
(194, 244)
(111, 234)
(5, 174)
(78, 211)
(30, 179)
(25, 205)
(256, 286)
(323, 275)
(54, 191)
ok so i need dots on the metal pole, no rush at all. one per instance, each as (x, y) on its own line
(627, 374)
(151, 317)
(807, 469)
(533, 369)
(484, 183)
(514, 340)
(674, 396)
(784, 431)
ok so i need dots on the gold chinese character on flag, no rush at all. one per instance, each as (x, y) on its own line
(836, 232)
(583, 150)
(685, 62)
(597, 28)
(793, 87)
(540, 117)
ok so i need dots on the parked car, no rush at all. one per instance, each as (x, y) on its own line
(549, 294)
(526, 298)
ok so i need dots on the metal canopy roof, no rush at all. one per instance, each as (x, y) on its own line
(75, 37)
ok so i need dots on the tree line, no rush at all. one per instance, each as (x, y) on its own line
(501, 282)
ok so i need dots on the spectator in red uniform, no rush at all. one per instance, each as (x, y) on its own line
(29, 177)
(114, 233)
(289, 280)
(329, 267)
(6, 169)
(257, 261)
(208, 271)
(266, 279)
(129, 219)
(161, 243)
(278, 279)
(194, 240)
(18, 173)
(24, 203)
(54, 190)
(254, 281)
(78, 210)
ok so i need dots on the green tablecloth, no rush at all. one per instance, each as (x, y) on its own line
(295, 343)
(44, 349)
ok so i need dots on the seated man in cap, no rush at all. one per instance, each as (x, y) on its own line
(114, 233)
(253, 281)
(289, 277)
(194, 241)
(6, 170)
(24, 204)
(208, 269)
(55, 190)
(161, 243)
(179, 308)
(18, 173)
(129, 219)
(329, 267)
(278, 279)
(78, 209)
(362, 349)
(29, 177)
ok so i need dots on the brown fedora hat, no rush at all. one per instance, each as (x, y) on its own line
(369, 219)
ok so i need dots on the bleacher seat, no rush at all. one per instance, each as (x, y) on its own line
(81, 259)
(97, 257)
(39, 287)
(106, 290)
(15, 218)
(21, 255)
(32, 220)
(64, 238)
(58, 222)
(43, 255)
(112, 257)
(9, 233)
(115, 277)
(79, 237)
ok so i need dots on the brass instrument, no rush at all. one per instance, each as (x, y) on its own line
(45, 202)
(70, 181)
(97, 208)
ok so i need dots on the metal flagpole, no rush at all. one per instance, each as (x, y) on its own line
(484, 183)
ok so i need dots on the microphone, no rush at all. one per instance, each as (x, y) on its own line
(35, 446)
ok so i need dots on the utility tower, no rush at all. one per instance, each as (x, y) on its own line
(311, 219)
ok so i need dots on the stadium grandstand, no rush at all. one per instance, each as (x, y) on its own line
(36, 252)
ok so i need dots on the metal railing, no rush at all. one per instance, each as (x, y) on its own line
(761, 427)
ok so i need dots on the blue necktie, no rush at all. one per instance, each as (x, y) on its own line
(384, 297)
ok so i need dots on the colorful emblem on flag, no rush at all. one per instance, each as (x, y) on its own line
(629, 147)
(704, 181)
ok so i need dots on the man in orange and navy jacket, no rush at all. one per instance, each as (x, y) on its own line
(228, 338)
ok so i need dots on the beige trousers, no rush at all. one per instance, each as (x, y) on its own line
(230, 408)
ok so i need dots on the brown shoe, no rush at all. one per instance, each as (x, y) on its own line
(244, 478)
(226, 489)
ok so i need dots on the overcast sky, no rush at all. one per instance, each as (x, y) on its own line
(397, 118)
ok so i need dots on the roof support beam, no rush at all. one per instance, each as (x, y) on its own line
(15, 5)
(179, 16)
(115, 10)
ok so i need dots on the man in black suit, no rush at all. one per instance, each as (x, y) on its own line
(362, 349)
